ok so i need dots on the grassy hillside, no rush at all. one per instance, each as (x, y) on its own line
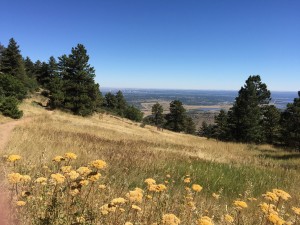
(134, 153)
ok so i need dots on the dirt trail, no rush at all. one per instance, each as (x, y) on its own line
(6, 130)
(5, 133)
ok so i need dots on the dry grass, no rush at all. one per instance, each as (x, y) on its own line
(134, 153)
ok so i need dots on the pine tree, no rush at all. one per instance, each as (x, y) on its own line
(190, 127)
(121, 103)
(110, 101)
(80, 90)
(221, 131)
(245, 117)
(157, 113)
(29, 67)
(271, 124)
(133, 113)
(12, 61)
(290, 122)
(177, 117)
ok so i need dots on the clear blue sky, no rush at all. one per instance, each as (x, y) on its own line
(186, 44)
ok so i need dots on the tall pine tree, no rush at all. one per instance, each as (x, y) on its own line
(245, 117)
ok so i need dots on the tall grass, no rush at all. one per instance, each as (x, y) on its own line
(232, 171)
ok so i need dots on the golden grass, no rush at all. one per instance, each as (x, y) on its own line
(134, 153)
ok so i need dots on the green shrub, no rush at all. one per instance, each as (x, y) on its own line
(9, 107)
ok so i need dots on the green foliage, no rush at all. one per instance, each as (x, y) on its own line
(9, 107)
(110, 101)
(271, 123)
(71, 83)
(157, 113)
(245, 117)
(121, 103)
(177, 117)
(290, 122)
(206, 130)
(133, 113)
(12, 61)
(221, 131)
(190, 127)
(11, 87)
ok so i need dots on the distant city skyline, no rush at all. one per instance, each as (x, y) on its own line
(170, 44)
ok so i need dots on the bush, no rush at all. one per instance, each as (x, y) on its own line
(133, 113)
(11, 87)
(9, 107)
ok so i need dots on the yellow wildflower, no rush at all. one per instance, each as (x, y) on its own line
(84, 182)
(196, 187)
(94, 176)
(13, 158)
(240, 204)
(296, 210)
(25, 178)
(98, 164)
(41, 180)
(275, 219)
(107, 208)
(228, 218)
(157, 187)
(70, 155)
(136, 207)
(187, 180)
(168, 176)
(150, 181)
(14, 178)
(252, 199)
(117, 201)
(270, 196)
(170, 219)
(267, 208)
(136, 195)
(83, 170)
(128, 223)
(281, 194)
(20, 203)
(58, 158)
(58, 178)
(66, 169)
(73, 174)
(205, 220)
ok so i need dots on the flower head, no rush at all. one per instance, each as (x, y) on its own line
(20, 203)
(58, 178)
(98, 164)
(13, 158)
(281, 194)
(150, 181)
(58, 158)
(205, 220)
(170, 219)
(196, 187)
(14, 178)
(70, 155)
(228, 218)
(136, 195)
(240, 204)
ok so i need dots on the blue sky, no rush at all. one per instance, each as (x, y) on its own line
(177, 44)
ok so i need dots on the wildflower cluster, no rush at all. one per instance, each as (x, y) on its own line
(63, 193)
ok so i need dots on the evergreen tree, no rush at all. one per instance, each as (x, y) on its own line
(2, 48)
(206, 130)
(245, 117)
(157, 113)
(177, 117)
(290, 122)
(12, 61)
(271, 123)
(121, 103)
(29, 67)
(221, 130)
(9, 107)
(133, 113)
(11, 87)
(190, 127)
(80, 91)
(110, 101)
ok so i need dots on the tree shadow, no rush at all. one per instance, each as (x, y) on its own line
(281, 157)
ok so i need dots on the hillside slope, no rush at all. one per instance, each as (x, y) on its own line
(134, 153)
